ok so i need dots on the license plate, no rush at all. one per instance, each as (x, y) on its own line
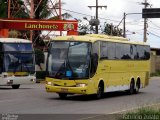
(64, 89)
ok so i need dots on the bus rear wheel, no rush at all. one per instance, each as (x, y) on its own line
(62, 95)
(137, 87)
(131, 89)
(15, 86)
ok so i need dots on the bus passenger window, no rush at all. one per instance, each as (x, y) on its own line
(94, 58)
(133, 52)
(103, 51)
(94, 64)
(126, 53)
(111, 50)
(147, 53)
(1, 62)
(140, 52)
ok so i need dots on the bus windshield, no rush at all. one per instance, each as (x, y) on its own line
(18, 57)
(69, 60)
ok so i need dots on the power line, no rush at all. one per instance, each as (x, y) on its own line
(154, 24)
(153, 28)
(153, 34)
(89, 15)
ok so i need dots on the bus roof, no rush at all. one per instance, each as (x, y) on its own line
(96, 37)
(14, 40)
(107, 37)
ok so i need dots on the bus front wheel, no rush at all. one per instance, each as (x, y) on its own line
(100, 90)
(62, 95)
(15, 86)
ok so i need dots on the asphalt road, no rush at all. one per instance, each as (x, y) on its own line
(33, 99)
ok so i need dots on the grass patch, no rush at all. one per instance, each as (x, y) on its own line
(155, 74)
(142, 114)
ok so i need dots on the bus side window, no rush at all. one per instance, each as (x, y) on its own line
(1, 62)
(94, 58)
(103, 50)
(94, 63)
(111, 47)
(1, 58)
(146, 52)
(140, 52)
(133, 51)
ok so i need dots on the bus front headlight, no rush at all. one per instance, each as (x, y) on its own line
(49, 83)
(81, 85)
(6, 75)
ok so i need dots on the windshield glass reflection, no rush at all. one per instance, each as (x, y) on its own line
(16, 62)
(69, 60)
(18, 57)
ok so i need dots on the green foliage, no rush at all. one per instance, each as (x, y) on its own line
(155, 74)
(83, 30)
(112, 30)
(143, 114)
(39, 56)
(3, 9)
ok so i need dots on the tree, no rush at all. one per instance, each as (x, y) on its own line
(39, 57)
(43, 12)
(20, 13)
(112, 30)
(3, 9)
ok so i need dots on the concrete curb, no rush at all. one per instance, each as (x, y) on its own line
(155, 78)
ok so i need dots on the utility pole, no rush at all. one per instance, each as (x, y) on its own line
(31, 17)
(9, 8)
(124, 22)
(145, 22)
(124, 25)
(60, 14)
(97, 6)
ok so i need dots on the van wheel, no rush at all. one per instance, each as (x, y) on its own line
(62, 95)
(15, 86)
(100, 91)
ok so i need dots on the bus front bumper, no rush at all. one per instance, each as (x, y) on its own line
(69, 90)
(18, 80)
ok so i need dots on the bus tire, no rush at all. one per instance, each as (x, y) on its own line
(15, 86)
(131, 89)
(137, 86)
(100, 90)
(62, 95)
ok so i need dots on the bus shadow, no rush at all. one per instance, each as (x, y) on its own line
(93, 97)
(10, 88)
(5, 88)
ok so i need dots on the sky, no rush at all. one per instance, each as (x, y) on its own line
(114, 14)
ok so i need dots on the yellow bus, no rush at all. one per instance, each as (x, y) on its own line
(17, 62)
(94, 64)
